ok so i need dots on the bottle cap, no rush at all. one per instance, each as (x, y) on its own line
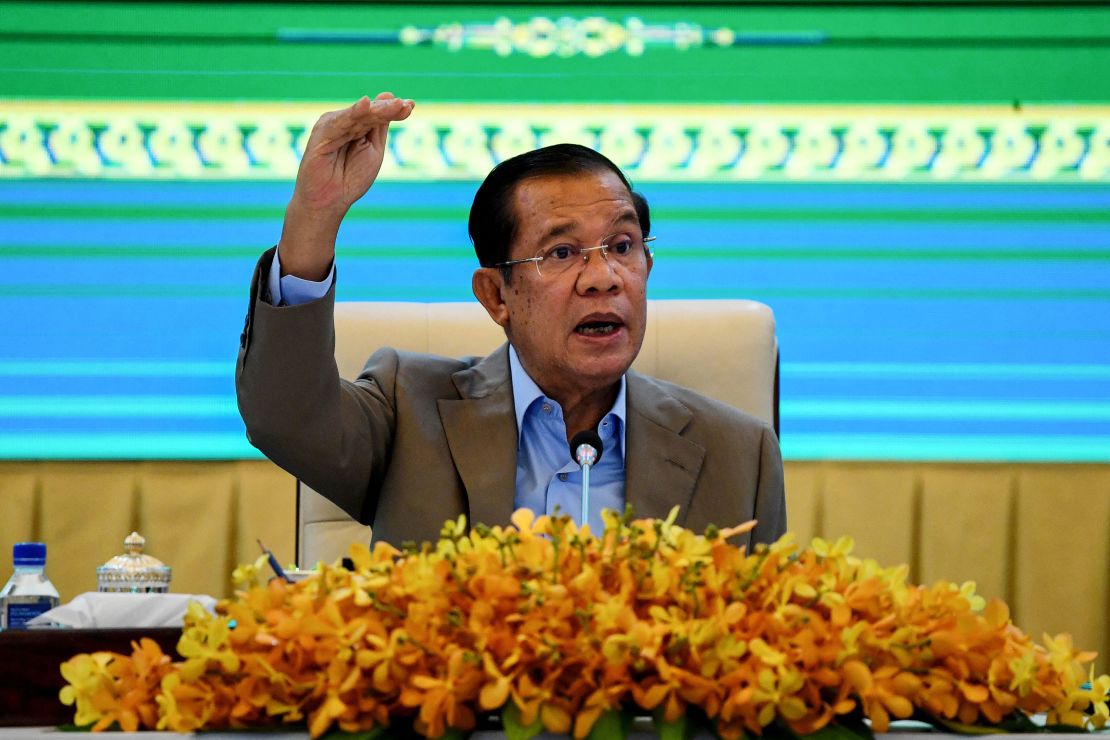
(29, 553)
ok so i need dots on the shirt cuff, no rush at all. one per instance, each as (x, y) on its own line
(291, 290)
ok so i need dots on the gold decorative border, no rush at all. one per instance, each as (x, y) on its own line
(218, 141)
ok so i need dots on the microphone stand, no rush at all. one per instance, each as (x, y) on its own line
(585, 492)
(585, 449)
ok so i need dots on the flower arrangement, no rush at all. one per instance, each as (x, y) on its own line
(553, 628)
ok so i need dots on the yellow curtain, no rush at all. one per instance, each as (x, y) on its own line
(199, 518)
(1037, 536)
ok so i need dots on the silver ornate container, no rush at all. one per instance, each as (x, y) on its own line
(133, 572)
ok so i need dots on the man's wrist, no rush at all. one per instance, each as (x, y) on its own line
(308, 242)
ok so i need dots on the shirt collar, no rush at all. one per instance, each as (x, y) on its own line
(525, 392)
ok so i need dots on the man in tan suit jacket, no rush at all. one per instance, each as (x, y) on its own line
(419, 439)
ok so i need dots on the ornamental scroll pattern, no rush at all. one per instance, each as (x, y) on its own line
(664, 143)
(541, 36)
(594, 36)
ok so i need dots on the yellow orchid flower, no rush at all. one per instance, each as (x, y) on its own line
(565, 626)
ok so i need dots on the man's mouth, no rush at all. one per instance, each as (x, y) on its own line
(597, 328)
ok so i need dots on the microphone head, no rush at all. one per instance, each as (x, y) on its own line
(586, 447)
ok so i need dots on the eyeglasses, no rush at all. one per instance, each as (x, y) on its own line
(630, 252)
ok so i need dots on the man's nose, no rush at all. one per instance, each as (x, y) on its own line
(598, 273)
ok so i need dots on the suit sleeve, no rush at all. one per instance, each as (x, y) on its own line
(332, 434)
(770, 502)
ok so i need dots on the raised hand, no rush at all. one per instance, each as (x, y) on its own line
(341, 161)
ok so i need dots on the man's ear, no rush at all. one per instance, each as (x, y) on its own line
(489, 289)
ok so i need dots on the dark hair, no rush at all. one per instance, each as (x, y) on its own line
(493, 222)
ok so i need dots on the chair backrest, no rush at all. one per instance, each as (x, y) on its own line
(725, 349)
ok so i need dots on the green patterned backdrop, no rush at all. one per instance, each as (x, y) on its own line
(921, 191)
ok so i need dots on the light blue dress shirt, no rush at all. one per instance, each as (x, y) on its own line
(547, 478)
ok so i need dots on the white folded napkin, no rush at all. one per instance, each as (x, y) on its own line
(94, 609)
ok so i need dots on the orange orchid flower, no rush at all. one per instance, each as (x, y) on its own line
(566, 626)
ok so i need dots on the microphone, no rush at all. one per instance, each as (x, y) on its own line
(586, 450)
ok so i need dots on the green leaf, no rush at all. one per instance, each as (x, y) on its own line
(845, 731)
(453, 734)
(75, 728)
(680, 729)
(514, 730)
(1021, 722)
(611, 725)
(961, 729)
(779, 730)
(693, 723)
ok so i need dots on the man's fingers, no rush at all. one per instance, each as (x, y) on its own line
(377, 135)
(337, 128)
(383, 110)
(405, 111)
(356, 121)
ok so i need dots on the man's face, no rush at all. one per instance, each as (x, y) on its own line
(578, 331)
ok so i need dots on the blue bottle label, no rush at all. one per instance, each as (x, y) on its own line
(18, 613)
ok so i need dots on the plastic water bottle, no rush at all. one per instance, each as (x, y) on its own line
(28, 592)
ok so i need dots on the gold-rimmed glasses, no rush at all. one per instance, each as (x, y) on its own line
(627, 250)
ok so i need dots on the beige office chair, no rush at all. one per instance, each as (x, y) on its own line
(724, 349)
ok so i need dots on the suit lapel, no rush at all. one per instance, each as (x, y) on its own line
(482, 436)
(661, 466)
